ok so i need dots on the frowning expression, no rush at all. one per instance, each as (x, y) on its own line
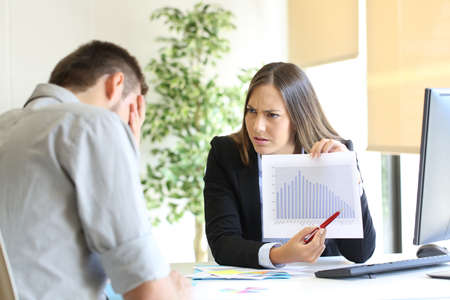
(268, 122)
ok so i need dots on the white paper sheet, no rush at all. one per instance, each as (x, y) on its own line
(301, 191)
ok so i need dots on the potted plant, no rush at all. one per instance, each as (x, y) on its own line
(192, 108)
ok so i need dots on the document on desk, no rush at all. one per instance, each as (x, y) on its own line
(301, 191)
(216, 272)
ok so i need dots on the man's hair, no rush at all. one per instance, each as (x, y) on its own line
(82, 68)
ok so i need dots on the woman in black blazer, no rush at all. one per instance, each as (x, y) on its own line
(282, 116)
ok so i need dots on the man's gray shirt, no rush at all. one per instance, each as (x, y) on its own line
(72, 211)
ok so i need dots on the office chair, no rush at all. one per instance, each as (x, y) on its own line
(7, 288)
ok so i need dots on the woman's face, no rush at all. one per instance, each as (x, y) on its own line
(268, 123)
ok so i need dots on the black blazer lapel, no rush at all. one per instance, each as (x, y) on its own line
(250, 199)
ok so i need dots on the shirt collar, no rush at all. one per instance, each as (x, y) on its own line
(57, 93)
(259, 164)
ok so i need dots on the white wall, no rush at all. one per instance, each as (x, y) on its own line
(35, 35)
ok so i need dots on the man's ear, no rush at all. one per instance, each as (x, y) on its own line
(114, 87)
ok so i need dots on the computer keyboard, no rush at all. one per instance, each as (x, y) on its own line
(359, 270)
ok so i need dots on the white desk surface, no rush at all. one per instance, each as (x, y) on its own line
(409, 284)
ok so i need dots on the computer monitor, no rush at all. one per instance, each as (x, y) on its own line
(433, 196)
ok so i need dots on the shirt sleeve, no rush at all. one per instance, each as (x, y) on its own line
(264, 256)
(102, 162)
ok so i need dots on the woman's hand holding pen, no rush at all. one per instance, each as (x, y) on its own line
(296, 250)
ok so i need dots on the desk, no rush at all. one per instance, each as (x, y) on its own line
(410, 284)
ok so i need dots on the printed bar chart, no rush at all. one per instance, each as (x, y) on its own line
(300, 198)
(299, 191)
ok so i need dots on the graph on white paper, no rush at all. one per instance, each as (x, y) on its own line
(299, 197)
(299, 191)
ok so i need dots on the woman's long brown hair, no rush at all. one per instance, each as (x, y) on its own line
(306, 114)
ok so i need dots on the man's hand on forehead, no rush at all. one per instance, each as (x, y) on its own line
(137, 117)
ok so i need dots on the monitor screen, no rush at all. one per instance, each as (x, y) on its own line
(433, 195)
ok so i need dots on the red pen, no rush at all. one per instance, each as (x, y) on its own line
(310, 236)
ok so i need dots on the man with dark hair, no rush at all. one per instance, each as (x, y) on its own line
(72, 211)
(80, 69)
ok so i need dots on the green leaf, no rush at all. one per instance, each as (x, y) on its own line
(189, 107)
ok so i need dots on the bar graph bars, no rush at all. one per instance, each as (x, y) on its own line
(298, 191)
(297, 197)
